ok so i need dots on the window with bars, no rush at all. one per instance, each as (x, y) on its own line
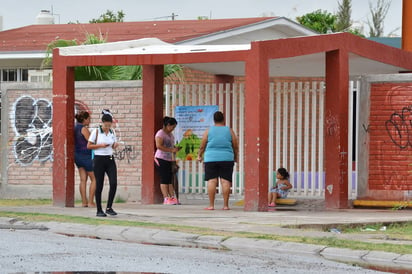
(14, 75)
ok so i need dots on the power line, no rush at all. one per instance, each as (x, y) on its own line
(173, 16)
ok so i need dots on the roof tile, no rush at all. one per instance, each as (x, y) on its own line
(37, 37)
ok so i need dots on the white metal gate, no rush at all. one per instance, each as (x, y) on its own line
(230, 99)
(296, 116)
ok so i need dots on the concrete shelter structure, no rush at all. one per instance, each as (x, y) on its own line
(333, 56)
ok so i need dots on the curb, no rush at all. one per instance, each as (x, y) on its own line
(380, 204)
(173, 238)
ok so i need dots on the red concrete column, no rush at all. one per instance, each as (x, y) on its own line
(407, 25)
(336, 129)
(256, 130)
(152, 121)
(63, 137)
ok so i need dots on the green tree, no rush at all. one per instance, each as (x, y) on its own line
(320, 20)
(325, 22)
(343, 16)
(109, 17)
(356, 31)
(378, 14)
(344, 21)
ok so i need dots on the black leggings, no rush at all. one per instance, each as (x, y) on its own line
(102, 165)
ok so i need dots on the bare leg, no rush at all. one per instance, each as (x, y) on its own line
(171, 190)
(270, 197)
(226, 192)
(92, 188)
(82, 186)
(164, 188)
(211, 191)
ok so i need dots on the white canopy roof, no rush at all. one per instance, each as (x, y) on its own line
(312, 65)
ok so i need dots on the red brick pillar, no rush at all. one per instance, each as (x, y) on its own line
(336, 129)
(152, 121)
(63, 137)
(256, 130)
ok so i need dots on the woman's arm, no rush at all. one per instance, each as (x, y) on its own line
(235, 144)
(159, 145)
(93, 145)
(202, 147)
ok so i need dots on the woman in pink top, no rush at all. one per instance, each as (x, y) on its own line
(164, 157)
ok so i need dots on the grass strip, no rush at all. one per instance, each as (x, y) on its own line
(25, 202)
(326, 241)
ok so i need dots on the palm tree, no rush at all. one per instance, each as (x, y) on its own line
(90, 73)
(102, 73)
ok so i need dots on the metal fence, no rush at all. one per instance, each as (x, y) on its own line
(295, 121)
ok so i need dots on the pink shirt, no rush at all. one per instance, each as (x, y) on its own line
(169, 142)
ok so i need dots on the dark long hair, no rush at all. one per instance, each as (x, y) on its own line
(169, 121)
(81, 116)
(284, 173)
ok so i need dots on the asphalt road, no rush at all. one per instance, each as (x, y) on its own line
(43, 251)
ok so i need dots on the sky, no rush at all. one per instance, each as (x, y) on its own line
(20, 13)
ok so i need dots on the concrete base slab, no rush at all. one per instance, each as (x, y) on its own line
(173, 237)
(139, 235)
(343, 254)
(236, 243)
(300, 248)
(405, 260)
(381, 258)
(215, 241)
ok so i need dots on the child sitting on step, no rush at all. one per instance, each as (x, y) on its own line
(281, 188)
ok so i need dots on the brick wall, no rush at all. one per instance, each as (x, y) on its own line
(29, 139)
(390, 137)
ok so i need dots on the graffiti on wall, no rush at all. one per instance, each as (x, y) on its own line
(332, 125)
(128, 152)
(399, 127)
(32, 123)
(31, 119)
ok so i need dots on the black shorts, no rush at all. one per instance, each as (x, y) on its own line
(164, 169)
(222, 170)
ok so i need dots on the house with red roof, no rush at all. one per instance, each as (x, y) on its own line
(23, 49)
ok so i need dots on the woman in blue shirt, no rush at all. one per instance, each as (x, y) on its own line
(83, 158)
(220, 148)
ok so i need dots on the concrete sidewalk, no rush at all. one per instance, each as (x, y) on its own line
(274, 222)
